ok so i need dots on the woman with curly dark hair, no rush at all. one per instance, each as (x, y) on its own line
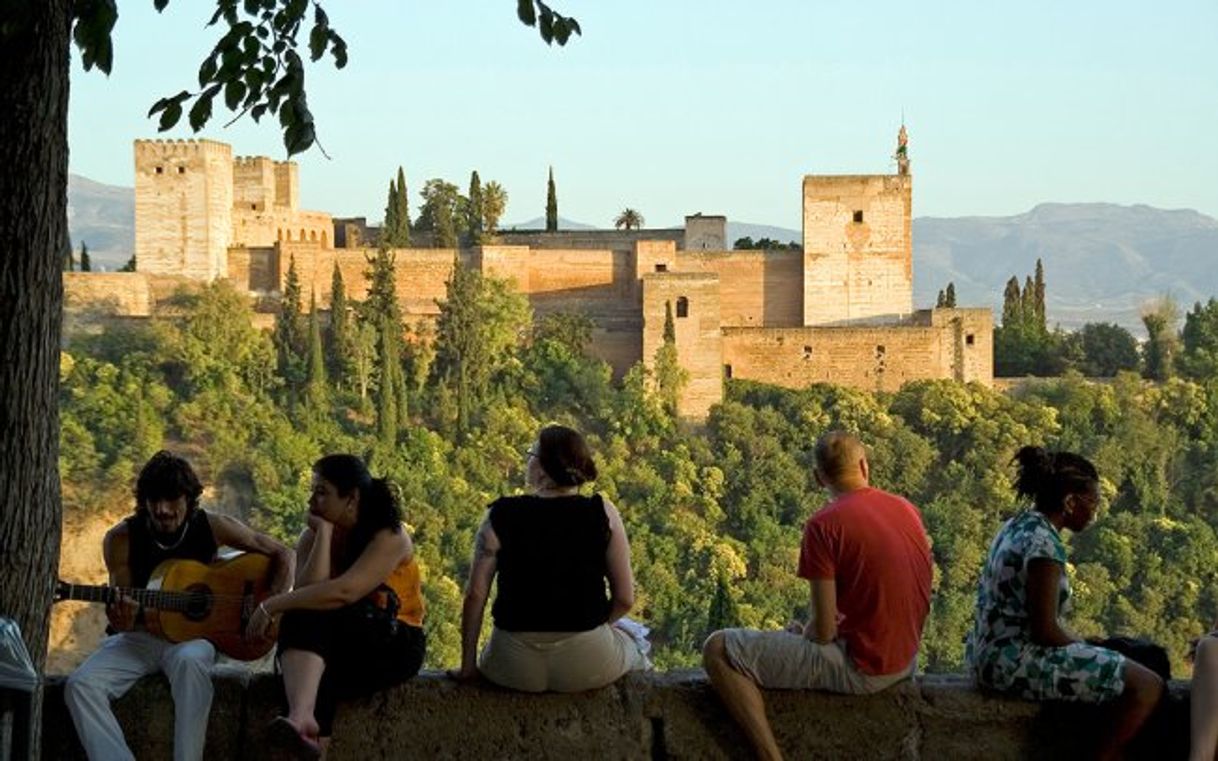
(1018, 644)
(353, 625)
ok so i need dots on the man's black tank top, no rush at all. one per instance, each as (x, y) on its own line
(144, 553)
(551, 563)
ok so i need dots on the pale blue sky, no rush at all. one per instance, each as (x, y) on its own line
(676, 106)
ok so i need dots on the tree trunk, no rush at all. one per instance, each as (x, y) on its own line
(34, 61)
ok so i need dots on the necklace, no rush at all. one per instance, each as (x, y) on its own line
(172, 545)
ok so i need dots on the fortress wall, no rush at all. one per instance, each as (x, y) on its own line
(761, 288)
(183, 207)
(858, 247)
(972, 331)
(123, 294)
(614, 240)
(698, 335)
(873, 358)
(663, 715)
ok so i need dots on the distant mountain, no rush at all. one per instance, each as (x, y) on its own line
(102, 216)
(738, 230)
(539, 223)
(1102, 261)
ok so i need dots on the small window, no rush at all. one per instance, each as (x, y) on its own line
(181, 170)
(858, 216)
(879, 351)
(727, 371)
(661, 268)
(160, 170)
(970, 339)
(253, 207)
(682, 307)
(807, 352)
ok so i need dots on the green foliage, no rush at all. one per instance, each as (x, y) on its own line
(129, 266)
(395, 232)
(1199, 353)
(629, 219)
(441, 212)
(714, 513)
(765, 244)
(340, 342)
(289, 335)
(86, 265)
(947, 297)
(1162, 343)
(494, 203)
(1107, 349)
(551, 203)
(473, 222)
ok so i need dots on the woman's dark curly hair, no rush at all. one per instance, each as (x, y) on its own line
(565, 456)
(167, 476)
(1048, 477)
(378, 503)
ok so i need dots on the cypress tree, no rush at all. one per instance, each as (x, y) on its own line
(670, 327)
(129, 266)
(1038, 296)
(387, 396)
(723, 613)
(389, 229)
(85, 264)
(1028, 300)
(340, 330)
(402, 238)
(473, 222)
(315, 390)
(1012, 304)
(941, 300)
(949, 298)
(289, 332)
(551, 205)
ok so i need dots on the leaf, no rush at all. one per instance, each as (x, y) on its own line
(338, 48)
(234, 91)
(170, 116)
(257, 111)
(207, 70)
(200, 112)
(160, 5)
(525, 12)
(317, 42)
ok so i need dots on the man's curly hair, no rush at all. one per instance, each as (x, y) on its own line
(167, 476)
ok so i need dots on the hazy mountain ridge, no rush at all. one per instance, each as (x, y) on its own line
(1102, 261)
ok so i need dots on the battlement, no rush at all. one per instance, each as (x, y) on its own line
(182, 148)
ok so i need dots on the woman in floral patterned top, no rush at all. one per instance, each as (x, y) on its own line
(1018, 645)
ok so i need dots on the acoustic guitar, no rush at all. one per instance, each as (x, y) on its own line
(188, 600)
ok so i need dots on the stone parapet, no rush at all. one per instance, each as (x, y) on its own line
(672, 715)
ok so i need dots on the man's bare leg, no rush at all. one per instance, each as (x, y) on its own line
(741, 696)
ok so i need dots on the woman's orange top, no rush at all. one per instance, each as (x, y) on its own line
(406, 583)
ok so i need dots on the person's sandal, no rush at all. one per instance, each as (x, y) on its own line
(284, 734)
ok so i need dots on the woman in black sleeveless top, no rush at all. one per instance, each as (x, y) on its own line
(563, 563)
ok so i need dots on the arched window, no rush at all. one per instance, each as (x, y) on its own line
(682, 307)
(324, 240)
(280, 234)
(313, 235)
(302, 235)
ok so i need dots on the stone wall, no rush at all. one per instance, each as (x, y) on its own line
(760, 289)
(672, 715)
(615, 240)
(111, 293)
(858, 248)
(877, 358)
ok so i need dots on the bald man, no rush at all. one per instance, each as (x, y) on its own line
(867, 561)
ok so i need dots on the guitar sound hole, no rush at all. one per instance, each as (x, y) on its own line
(198, 602)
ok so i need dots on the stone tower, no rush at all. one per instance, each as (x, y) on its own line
(858, 249)
(183, 207)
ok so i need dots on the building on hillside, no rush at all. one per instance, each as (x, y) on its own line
(838, 310)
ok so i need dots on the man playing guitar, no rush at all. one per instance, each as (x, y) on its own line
(167, 524)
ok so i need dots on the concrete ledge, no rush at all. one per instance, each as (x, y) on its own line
(672, 715)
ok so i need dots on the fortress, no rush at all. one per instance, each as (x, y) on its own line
(839, 310)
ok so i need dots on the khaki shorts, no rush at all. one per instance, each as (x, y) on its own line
(559, 661)
(786, 661)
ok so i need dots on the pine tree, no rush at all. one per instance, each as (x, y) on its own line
(949, 297)
(670, 376)
(1038, 296)
(85, 264)
(1028, 303)
(551, 205)
(670, 327)
(473, 223)
(316, 392)
(339, 334)
(723, 612)
(941, 300)
(129, 266)
(402, 239)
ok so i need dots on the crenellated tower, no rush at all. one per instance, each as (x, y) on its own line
(183, 207)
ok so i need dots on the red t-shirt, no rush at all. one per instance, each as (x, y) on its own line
(873, 545)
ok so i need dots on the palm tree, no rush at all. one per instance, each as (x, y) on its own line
(629, 219)
(494, 201)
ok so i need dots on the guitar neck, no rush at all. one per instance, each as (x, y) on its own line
(149, 598)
